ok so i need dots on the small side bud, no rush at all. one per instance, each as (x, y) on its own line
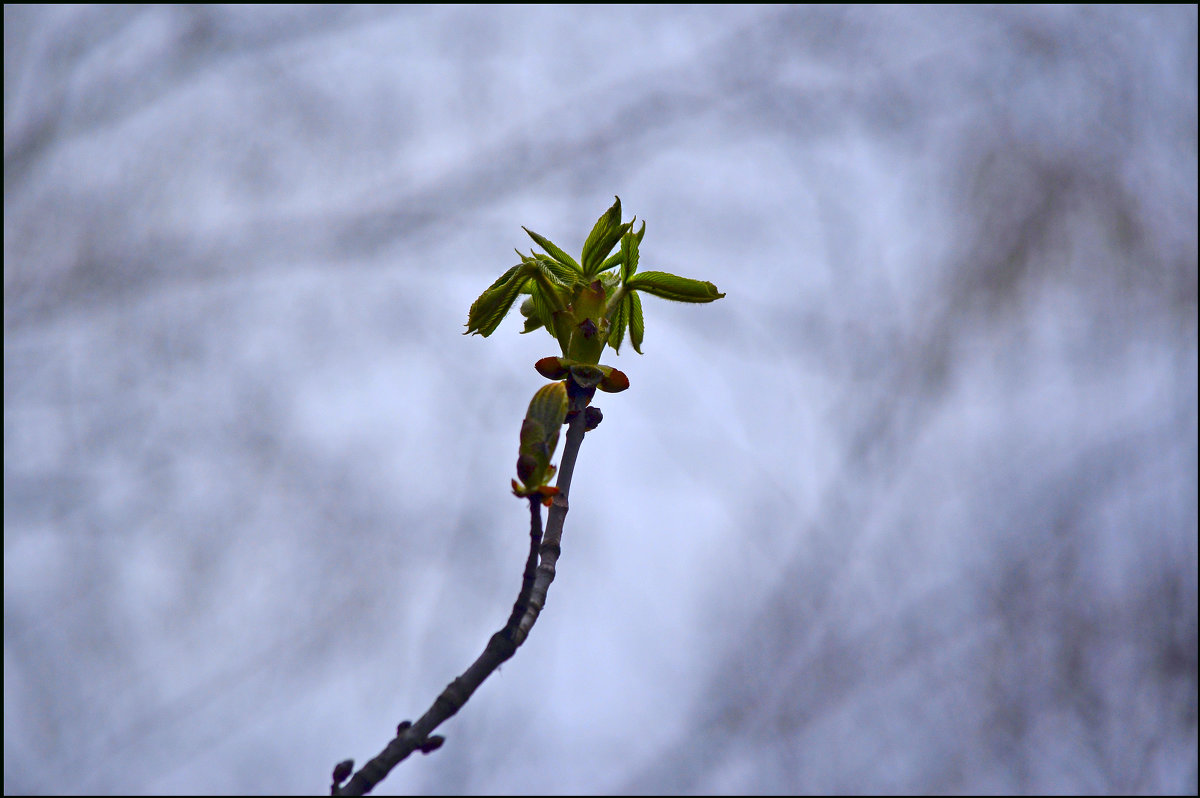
(402, 727)
(342, 771)
(591, 418)
(432, 743)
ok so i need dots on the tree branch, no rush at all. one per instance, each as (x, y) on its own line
(502, 645)
(551, 546)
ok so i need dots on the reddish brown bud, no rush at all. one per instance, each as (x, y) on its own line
(614, 380)
(551, 368)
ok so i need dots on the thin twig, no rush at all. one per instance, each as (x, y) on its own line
(531, 564)
(503, 644)
(552, 541)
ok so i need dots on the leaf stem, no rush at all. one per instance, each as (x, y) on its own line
(614, 302)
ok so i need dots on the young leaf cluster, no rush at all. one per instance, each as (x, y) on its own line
(539, 437)
(588, 303)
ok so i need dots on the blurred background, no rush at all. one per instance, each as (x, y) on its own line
(912, 509)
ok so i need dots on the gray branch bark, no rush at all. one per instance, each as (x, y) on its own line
(502, 645)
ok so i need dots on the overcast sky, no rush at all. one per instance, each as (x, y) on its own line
(912, 509)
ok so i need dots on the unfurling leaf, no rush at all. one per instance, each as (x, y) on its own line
(615, 259)
(504, 278)
(673, 287)
(620, 321)
(552, 249)
(637, 329)
(602, 239)
(559, 272)
(493, 304)
(538, 311)
(629, 252)
(547, 285)
(548, 407)
(539, 438)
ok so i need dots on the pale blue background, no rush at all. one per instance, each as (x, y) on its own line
(912, 509)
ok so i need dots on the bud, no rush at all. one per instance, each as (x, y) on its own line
(432, 743)
(342, 770)
(614, 380)
(586, 376)
(551, 368)
(539, 437)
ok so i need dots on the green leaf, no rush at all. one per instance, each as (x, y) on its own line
(620, 321)
(615, 259)
(606, 245)
(673, 287)
(493, 304)
(504, 278)
(563, 275)
(541, 313)
(553, 249)
(610, 283)
(602, 239)
(548, 408)
(637, 329)
(549, 286)
(539, 438)
(629, 252)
